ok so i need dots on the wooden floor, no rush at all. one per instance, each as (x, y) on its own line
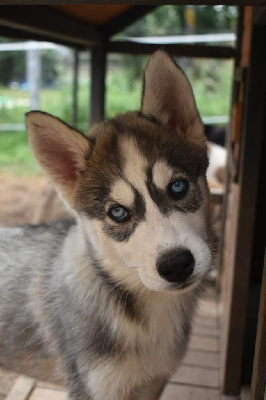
(196, 379)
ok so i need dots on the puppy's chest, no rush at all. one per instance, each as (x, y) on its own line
(160, 340)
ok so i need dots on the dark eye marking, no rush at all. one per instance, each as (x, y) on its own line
(178, 188)
(118, 213)
(129, 219)
(179, 195)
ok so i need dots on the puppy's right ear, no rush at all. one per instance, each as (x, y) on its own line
(60, 150)
(168, 97)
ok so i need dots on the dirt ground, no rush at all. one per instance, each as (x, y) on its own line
(21, 202)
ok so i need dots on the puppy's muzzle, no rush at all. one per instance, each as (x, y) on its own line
(176, 265)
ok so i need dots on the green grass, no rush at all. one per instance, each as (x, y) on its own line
(120, 96)
(15, 155)
(212, 97)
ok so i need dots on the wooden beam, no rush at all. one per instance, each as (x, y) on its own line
(128, 17)
(49, 23)
(26, 35)
(141, 2)
(259, 367)
(178, 50)
(22, 389)
(98, 75)
(252, 153)
(260, 15)
(229, 172)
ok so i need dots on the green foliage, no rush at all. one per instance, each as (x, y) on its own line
(215, 18)
(133, 67)
(50, 62)
(211, 83)
(164, 20)
(122, 95)
(12, 65)
(170, 20)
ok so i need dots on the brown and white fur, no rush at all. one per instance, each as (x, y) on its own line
(105, 302)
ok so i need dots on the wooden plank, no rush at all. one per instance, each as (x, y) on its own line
(26, 35)
(203, 343)
(209, 299)
(251, 149)
(201, 359)
(206, 321)
(49, 23)
(229, 134)
(47, 385)
(178, 50)
(47, 394)
(207, 308)
(191, 375)
(21, 389)
(203, 330)
(140, 2)
(245, 393)
(7, 380)
(182, 392)
(259, 366)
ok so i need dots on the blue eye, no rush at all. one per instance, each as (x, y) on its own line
(118, 213)
(179, 188)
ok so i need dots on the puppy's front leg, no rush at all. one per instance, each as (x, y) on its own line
(79, 397)
(151, 391)
(77, 390)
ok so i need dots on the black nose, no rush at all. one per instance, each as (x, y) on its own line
(176, 266)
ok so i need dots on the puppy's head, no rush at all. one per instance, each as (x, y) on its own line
(138, 182)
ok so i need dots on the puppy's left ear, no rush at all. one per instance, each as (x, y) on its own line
(168, 96)
(60, 150)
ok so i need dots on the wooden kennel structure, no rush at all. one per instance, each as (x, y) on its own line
(242, 275)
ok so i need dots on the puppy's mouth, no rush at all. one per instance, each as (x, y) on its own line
(175, 287)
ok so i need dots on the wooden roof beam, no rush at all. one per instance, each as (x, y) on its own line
(25, 35)
(178, 50)
(142, 2)
(49, 24)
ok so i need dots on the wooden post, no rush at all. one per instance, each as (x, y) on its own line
(258, 389)
(75, 89)
(246, 257)
(98, 72)
(229, 172)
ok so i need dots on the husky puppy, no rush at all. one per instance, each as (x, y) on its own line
(105, 302)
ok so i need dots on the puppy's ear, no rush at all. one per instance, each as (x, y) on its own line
(60, 150)
(168, 96)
